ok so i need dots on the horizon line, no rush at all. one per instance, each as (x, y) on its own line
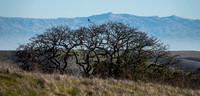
(97, 15)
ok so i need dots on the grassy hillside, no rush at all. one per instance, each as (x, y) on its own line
(190, 59)
(187, 53)
(16, 82)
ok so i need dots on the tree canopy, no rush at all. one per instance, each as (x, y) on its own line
(110, 49)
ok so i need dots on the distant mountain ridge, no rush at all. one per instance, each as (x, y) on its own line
(179, 33)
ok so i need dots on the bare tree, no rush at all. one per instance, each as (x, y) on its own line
(110, 49)
(50, 50)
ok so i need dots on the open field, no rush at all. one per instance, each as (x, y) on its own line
(14, 82)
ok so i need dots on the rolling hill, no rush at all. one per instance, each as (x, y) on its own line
(189, 59)
(179, 33)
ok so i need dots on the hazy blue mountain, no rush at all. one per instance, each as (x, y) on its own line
(179, 33)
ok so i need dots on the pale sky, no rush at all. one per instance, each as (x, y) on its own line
(82, 8)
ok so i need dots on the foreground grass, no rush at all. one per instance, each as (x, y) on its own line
(16, 82)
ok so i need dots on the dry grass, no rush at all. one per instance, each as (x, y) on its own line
(15, 82)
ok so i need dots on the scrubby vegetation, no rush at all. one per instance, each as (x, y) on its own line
(15, 82)
(111, 50)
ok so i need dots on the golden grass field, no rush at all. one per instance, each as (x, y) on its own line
(16, 82)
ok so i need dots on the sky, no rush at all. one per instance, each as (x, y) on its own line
(83, 8)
